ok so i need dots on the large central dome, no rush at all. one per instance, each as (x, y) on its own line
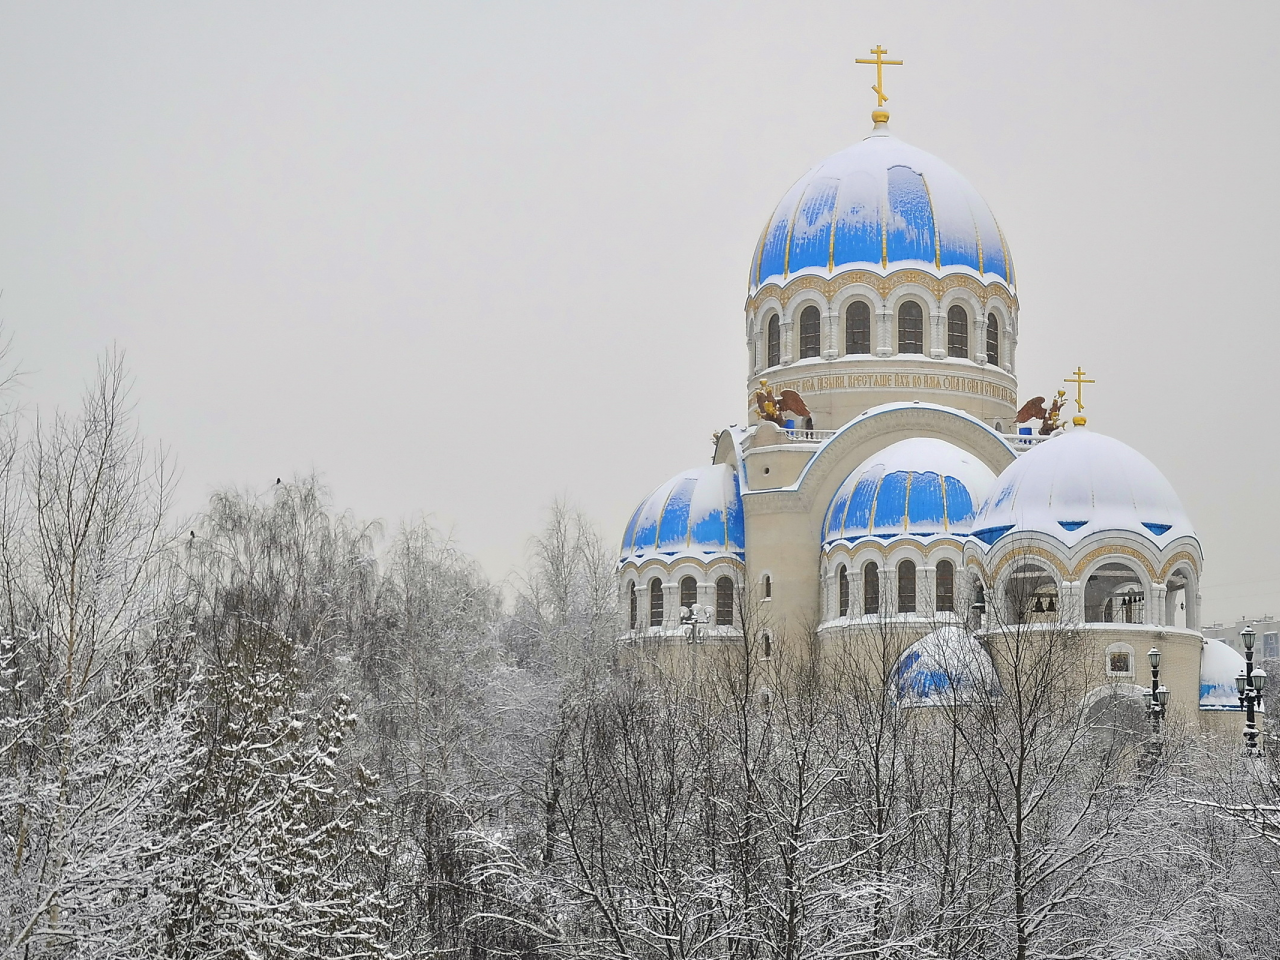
(881, 204)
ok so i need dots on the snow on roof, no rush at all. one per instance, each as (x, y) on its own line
(878, 203)
(1079, 482)
(696, 513)
(946, 667)
(921, 486)
(1219, 667)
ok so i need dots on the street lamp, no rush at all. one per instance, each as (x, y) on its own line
(1157, 704)
(693, 617)
(1249, 685)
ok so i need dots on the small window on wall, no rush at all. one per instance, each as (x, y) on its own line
(910, 327)
(655, 602)
(1120, 660)
(810, 332)
(957, 332)
(842, 583)
(871, 588)
(768, 644)
(774, 334)
(857, 328)
(906, 587)
(946, 580)
(631, 592)
(766, 583)
(688, 592)
(724, 602)
(993, 339)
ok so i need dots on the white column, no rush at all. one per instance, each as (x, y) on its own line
(855, 592)
(980, 340)
(642, 606)
(926, 584)
(786, 342)
(937, 336)
(670, 606)
(1070, 602)
(1153, 611)
(831, 324)
(884, 331)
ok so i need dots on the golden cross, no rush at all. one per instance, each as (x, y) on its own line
(1078, 379)
(880, 63)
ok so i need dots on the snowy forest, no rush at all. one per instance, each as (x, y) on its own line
(275, 730)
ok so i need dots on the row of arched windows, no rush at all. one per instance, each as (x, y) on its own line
(688, 597)
(944, 592)
(857, 332)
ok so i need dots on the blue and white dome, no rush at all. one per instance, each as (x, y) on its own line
(1219, 667)
(948, 666)
(698, 513)
(916, 487)
(1078, 483)
(881, 204)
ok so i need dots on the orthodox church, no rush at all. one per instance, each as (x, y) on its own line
(888, 473)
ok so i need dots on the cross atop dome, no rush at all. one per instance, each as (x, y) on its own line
(878, 115)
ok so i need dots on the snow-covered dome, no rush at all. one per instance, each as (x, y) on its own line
(920, 487)
(882, 204)
(698, 513)
(1078, 483)
(946, 666)
(1219, 667)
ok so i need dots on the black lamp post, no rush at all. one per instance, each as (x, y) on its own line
(1157, 704)
(1249, 685)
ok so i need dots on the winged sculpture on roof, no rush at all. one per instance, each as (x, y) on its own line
(1034, 409)
(772, 407)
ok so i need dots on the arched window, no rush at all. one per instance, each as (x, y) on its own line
(871, 588)
(767, 583)
(946, 580)
(842, 580)
(775, 341)
(632, 602)
(910, 327)
(688, 592)
(768, 644)
(655, 602)
(993, 339)
(810, 332)
(1114, 593)
(724, 602)
(957, 331)
(857, 328)
(906, 586)
(1031, 593)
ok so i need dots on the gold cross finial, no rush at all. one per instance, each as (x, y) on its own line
(1078, 378)
(880, 62)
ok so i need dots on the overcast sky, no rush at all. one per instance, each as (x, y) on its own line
(461, 258)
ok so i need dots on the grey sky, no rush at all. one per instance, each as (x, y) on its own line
(460, 258)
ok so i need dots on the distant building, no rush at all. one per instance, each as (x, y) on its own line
(1267, 628)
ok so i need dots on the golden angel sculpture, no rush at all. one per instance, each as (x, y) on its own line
(772, 408)
(1034, 409)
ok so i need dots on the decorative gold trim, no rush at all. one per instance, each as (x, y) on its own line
(883, 285)
(1118, 548)
(1173, 562)
(1029, 550)
(671, 562)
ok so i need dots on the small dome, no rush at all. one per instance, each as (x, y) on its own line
(919, 487)
(947, 666)
(698, 513)
(1219, 667)
(1078, 483)
(877, 204)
